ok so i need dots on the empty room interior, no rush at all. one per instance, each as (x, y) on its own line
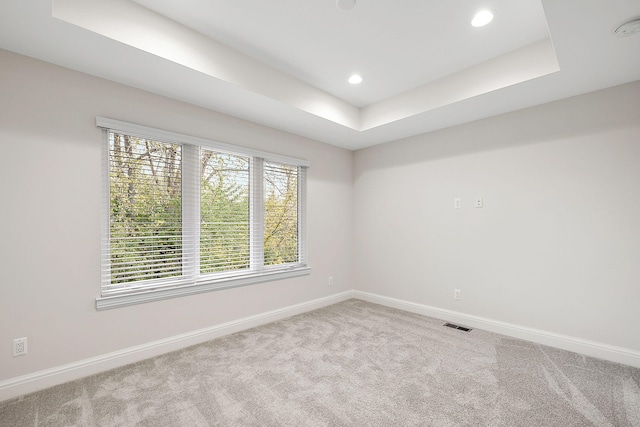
(265, 212)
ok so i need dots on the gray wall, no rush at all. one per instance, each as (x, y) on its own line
(556, 246)
(50, 190)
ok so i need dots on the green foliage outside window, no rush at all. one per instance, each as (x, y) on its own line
(146, 209)
(281, 214)
(224, 212)
(146, 223)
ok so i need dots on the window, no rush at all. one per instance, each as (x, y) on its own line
(184, 215)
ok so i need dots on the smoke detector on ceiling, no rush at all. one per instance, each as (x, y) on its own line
(629, 28)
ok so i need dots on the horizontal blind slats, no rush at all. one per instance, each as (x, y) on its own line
(154, 239)
(281, 214)
(146, 215)
(224, 211)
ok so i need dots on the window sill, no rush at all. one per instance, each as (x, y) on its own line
(108, 302)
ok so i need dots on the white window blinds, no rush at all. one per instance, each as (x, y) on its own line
(225, 214)
(185, 215)
(145, 223)
(281, 214)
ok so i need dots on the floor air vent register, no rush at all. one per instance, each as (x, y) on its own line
(461, 328)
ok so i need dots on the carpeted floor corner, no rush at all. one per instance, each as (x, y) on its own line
(350, 364)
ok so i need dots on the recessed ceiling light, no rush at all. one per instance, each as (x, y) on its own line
(482, 18)
(345, 4)
(355, 79)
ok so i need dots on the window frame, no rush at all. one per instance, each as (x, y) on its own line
(189, 284)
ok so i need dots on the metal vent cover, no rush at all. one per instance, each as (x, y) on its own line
(454, 326)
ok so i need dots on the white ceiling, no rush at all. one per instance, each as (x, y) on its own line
(396, 45)
(284, 63)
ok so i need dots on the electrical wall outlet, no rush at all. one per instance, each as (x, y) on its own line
(330, 280)
(457, 294)
(19, 346)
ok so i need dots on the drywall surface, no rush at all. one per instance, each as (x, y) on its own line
(556, 244)
(50, 192)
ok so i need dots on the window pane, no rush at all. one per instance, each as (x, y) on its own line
(281, 214)
(180, 217)
(145, 221)
(224, 212)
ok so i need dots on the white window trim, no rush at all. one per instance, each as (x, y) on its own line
(104, 303)
(168, 136)
(204, 283)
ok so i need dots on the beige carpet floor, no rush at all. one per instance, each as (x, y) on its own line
(350, 364)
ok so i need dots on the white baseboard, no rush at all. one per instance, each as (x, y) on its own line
(577, 345)
(19, 386)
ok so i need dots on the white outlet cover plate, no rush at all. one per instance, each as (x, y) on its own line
(20, 346)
